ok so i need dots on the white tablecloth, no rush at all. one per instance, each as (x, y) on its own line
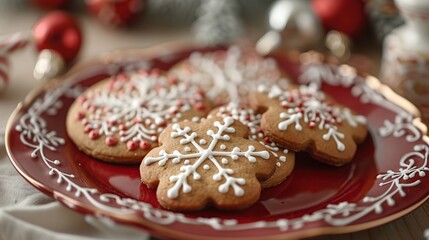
(26, 213)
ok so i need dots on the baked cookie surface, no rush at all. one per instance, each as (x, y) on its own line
(229, 75)
(119, 119)
(304, 118)
(285, 159)
(207, 163)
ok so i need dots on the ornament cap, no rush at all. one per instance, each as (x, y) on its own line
(48, 65)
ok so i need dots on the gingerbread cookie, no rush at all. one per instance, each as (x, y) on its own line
(229, 75)
(247, 116)
(304, 118)
(207, 163)
(119, 119)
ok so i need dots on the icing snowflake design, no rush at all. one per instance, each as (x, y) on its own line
(136, 108)
(252, 120)
(204, 151)
(307, 105)
(235, 71)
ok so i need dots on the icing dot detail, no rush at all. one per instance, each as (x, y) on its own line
(80, 115)
(93, 135)
(137, 107)
(132, 145)
(307, 105)
(145, 145)
(111, 141)
(199, 106)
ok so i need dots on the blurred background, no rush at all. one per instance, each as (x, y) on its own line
(353, 31)
(371, 35)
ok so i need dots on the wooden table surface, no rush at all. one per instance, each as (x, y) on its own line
(99, 39)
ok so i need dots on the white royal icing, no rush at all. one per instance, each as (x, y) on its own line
(204, 155)
(235, 71)
(137, 108)
(307, 105)
(252, 120)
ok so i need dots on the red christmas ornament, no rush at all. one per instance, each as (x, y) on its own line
(60, 32)
(115, 12)
(345, 16)
(50, 4)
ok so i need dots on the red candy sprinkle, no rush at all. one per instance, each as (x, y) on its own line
(81, 99)
(122, 77)
(112, 122)
(172, 80)
(144, 145)
(201, 92)
(87, 129)
(180, 103)
(131, 145)
(266, 140)
(80, 115)
(93, 134)
(137, 120)
(156, 72)
(199, 106)
(111, 141)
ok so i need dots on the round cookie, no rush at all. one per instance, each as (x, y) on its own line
(119, 119)
(304, 118)
(207, 163)
(247, 116)
(229, 75)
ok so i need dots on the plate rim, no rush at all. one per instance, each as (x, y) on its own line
(154, 228)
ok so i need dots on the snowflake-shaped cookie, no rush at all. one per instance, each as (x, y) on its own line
(229, 75)
(207, 163)
(247, 116)
(304, 118)
(119, 119)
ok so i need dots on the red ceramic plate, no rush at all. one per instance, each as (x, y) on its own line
(387, 179)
